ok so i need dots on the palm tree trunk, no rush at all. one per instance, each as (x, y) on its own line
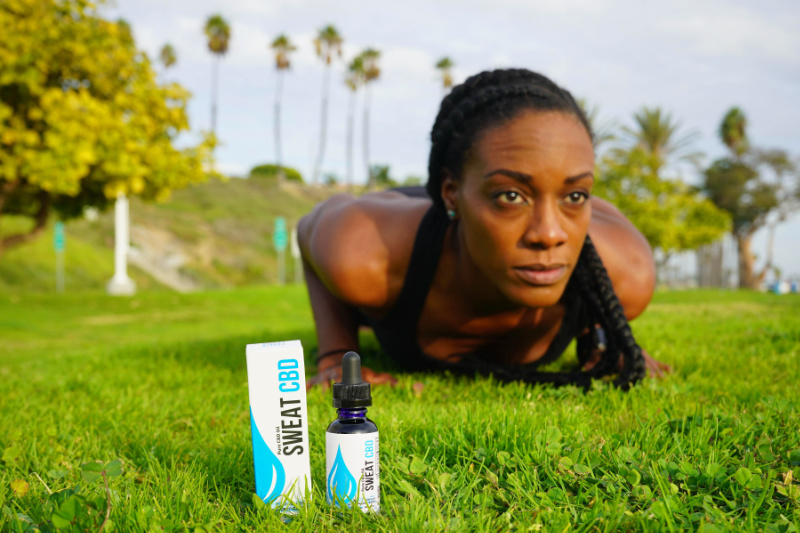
(214, 78)
(370, 178)
(278, 155)
(326, 79)
(746, 261)
(351, 119)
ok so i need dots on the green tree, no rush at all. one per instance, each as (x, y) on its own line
(82, 118)
(658, 135)
(328, 45)
(371, 73)
(733, 132)
(282, 47)
(218, 32)
(354, 80)
(167, 56)
(672, 216)
(758, 188)
(445, 67)
(382, 177)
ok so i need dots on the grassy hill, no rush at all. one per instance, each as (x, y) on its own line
(217, 234)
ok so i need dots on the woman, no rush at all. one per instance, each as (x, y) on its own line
(505, 263)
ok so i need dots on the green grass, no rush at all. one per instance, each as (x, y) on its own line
(159, 382)
(88, 261)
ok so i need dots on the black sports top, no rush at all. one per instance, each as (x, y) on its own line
(397, 330)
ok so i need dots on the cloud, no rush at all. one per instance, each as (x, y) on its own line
(718, 29)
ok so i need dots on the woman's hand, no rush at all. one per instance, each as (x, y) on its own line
(334, 374)
(655, 369)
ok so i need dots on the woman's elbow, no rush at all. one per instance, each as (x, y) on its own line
(639, 285)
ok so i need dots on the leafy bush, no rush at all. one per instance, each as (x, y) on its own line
(271, 171)
(382, 177)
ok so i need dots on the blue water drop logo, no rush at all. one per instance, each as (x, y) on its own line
(270, 474)
(341, 482)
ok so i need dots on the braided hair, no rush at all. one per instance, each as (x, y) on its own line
(492, 98)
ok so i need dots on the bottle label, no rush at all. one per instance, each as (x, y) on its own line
(353, 473)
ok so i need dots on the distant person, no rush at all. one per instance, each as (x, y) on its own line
(502, 263)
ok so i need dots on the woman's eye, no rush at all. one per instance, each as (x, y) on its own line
(511, 197)
(576, 198)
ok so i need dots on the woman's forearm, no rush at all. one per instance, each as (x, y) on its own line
(337, 323)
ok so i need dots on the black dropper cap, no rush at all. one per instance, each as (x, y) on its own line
(351, 391)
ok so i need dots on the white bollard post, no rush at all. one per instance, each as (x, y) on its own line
(298, 264)
(121, 284)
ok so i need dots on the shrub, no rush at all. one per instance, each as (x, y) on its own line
(271, 172)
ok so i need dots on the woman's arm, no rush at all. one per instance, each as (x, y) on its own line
(336, 322)
(336, 319)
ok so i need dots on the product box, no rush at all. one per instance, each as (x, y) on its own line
(279, 421)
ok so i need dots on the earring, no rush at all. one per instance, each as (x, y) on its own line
(451, 214)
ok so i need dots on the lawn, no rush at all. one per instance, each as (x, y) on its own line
(155, 388)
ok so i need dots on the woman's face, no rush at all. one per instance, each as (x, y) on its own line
(523, 204)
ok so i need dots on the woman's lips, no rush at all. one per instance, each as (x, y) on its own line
(541, 275)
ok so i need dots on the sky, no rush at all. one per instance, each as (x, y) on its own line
(693, 58)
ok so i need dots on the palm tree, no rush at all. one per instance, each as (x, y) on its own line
(371, 73)
(282, 47)
(126, 34)
(602, 131)
(328, 45)
(656, 133)
(167, 56)
(219, 35)
(733, 133)
(445, 66)
(353, 80)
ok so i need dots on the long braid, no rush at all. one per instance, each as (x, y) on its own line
(494, 97)
(596, 289)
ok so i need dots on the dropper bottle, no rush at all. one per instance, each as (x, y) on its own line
(353, 471)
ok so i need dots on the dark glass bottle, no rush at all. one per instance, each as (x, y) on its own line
(353, 468)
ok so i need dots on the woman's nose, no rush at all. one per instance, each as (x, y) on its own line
(545, 229)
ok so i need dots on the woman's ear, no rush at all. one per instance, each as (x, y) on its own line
(449, 190)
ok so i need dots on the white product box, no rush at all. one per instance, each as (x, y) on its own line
(279, 421)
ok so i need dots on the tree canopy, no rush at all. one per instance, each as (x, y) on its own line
(82, 119)
(733, 131)
(671, 215)
(756, 187)
(657, 134)
(328, 43)
(168, 56)
(218, 32)
(282, 46)
(445, 66)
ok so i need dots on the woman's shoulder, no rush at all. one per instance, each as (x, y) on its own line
(626, 255)
(360, 247)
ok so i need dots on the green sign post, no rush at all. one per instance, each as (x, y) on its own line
(279, 236)
(59, 243)
(280, 239)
